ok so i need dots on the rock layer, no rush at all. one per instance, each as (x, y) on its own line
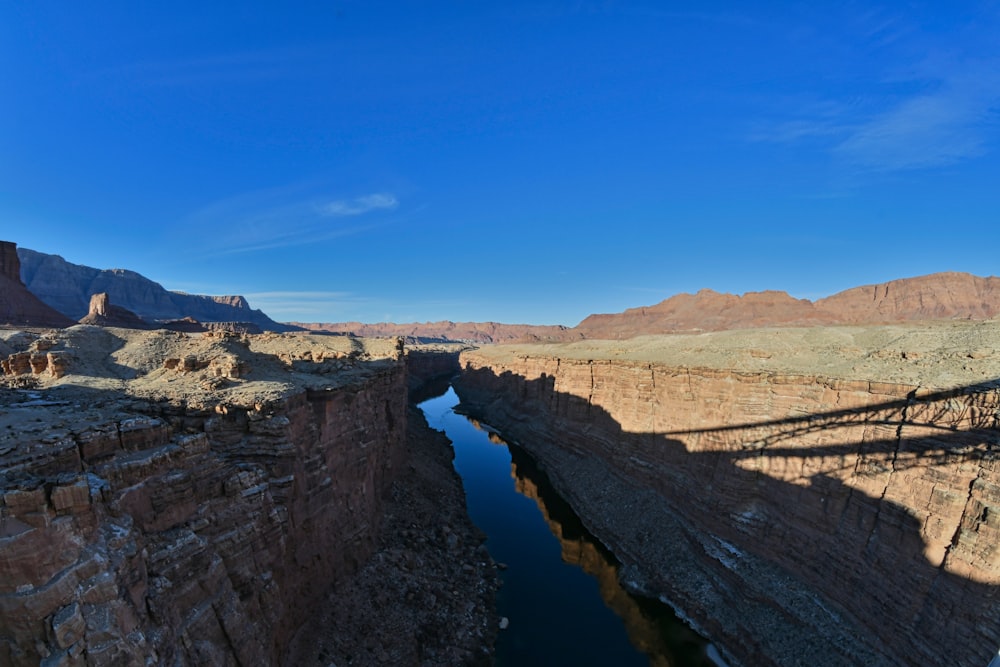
(795, 518)
(189, 500)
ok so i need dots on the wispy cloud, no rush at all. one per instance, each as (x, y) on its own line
(283, 217)
(907, 98)
(305, 305)
(952, 118)
(951, 124)
(359, 205)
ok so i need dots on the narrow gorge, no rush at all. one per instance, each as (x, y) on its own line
(821, 497)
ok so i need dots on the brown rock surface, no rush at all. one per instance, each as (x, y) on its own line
(18, 306)
(195, 499)
(820, 496)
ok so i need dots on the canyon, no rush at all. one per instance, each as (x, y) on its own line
(220, 499)
(814, 492)
(820, 496)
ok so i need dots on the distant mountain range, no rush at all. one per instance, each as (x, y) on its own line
(67, 288)
(938, 296)
(444, 331)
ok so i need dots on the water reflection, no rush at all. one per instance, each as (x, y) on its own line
(561, 586)
(652, 627)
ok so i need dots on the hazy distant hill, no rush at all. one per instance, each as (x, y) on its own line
(67, 287)
(465, 332)
(936, 296)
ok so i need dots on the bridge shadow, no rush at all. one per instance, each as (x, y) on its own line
(887, 514)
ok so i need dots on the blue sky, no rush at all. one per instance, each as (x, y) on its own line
(519, 162)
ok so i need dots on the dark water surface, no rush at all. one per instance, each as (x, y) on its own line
(560, 589)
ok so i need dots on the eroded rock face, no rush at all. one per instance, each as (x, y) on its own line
(145, 530)
(18, 306)
(795, 518)
(10, 265)
(103, 313)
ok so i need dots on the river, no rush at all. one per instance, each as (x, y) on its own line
(560, 592)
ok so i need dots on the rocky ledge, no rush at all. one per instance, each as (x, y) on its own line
(207, 499)
(821, 496)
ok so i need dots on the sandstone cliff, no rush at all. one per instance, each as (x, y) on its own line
(805, 496)
(937, 296)
(67, 287)
(18, 306)
(177, 499)
(105, 314)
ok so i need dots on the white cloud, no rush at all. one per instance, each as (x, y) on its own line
(283, 217)
(359, 205)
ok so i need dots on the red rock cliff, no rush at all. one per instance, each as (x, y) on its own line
(795, 518)
(18, 306)
(198, 530)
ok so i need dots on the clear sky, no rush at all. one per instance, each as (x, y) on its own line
(520, 162)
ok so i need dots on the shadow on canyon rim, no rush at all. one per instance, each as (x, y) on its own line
(763, 495)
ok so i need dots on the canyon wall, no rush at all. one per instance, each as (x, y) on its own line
(795, 518)
(201, 529)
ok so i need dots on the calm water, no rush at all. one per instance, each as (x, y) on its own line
(560, 589)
